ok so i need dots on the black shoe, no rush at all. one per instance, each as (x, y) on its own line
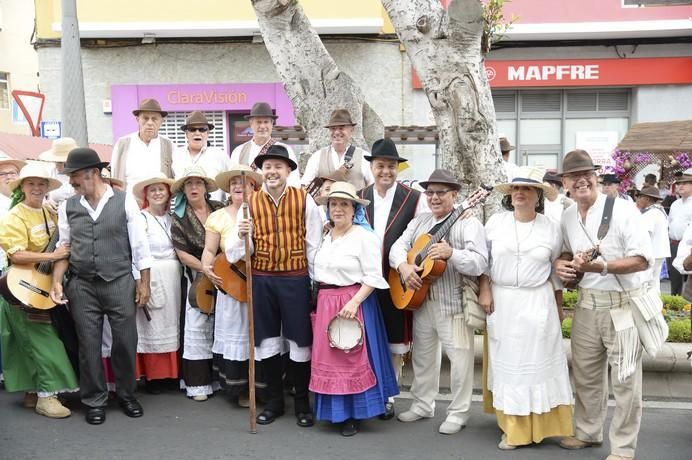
(95, 415)
(388, 412)
(131, 408)
(349, 428)
(305, 419)
(267, 416)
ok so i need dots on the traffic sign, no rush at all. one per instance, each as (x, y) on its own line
(51, 129)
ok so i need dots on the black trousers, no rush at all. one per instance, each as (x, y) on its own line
(674, 275)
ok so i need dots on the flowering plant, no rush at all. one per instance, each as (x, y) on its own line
(684, 159)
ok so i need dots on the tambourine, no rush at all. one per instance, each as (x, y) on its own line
(345, 334)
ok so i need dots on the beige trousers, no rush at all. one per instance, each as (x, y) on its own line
(594, 347)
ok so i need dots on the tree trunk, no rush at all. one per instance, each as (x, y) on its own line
(445, 49)
(312, 79)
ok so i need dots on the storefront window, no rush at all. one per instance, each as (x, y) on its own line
(4, 90)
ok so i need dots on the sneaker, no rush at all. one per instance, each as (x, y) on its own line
(51, 407)
(30, 400)
(448, 427)
(618, 457)
(572, 443)
(200, 398)
(409, 416)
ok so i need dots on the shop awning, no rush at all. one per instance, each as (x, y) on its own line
(665, 137)
(25, 147)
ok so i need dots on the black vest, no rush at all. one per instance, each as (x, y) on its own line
(101, 247)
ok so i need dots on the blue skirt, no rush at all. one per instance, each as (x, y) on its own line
(371, 402)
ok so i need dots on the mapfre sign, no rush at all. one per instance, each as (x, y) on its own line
(587, 72)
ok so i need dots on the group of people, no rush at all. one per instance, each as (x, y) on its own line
(131, 250)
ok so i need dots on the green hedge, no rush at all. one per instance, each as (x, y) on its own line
(680, 330)
(673, 302)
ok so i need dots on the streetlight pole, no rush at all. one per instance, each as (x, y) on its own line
(73, 111)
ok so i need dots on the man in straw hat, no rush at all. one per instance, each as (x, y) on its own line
(656, 223)
(392, 206)
(57, 154)
(100, 280)
(439, 321)
(262, 120)
(286, 230)
(141, 154)
(679, 217)
(340, 154)
(625, 251)
(198, 152)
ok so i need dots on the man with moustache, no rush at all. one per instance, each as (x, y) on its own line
(603, 331)
(286, 230)
(102, 254)
(340, 155)
(140, 155)
(392, 206)
(262, 121)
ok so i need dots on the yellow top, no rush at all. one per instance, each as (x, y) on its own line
(24, 229)
(220, 222)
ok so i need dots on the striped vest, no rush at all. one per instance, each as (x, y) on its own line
(279, 234)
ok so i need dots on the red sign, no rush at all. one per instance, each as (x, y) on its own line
(586, 72)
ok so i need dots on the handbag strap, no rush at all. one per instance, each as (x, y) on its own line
(606, 218)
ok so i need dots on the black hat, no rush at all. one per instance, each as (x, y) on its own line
(610, 179)
(384, 149)
(441, 176)
(275, 151)
(83, 158)
(552, 177)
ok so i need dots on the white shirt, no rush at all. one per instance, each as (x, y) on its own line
(679, 216)
(213, 161)
(64, 192)
(554, 209)
(4, 209)
(313, 166)
(354, 258)
(626, 237)
(141, 256)
(511, 170)
(142, 161)
(158, 230)
(293, 178)
(383, 206)
(684, 251)
(656, 223)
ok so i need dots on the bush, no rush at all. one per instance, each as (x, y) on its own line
(680, 331)
(567, 328)
(569, 299)
(673, 302)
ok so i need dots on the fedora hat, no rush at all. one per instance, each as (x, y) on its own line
(336, 176)
(577, 161)
(194, 171)
(261, 109)
(59, 150)
(275, 151)
(159, 178)
(340, 117)
(149, 105)
(552, 177)
(342, 190)
(441, 176)
(196, 118)
(651, 191)
(609, 179)
(38, 170)
(384, 149)
(528, 176)
(83, 158)
(686, 176)
(5, 159)
(106, 176)
(223, 179)
(505, 146)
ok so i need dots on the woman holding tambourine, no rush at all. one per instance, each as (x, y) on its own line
(352, 373)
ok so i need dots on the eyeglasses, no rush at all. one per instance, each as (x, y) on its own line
(580, 175)
(201, 130)
(8, 174)
(440, 193)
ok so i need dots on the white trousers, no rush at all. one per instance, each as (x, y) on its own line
(433, 333)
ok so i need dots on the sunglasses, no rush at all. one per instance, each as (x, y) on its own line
(201, 130)
(432, 193)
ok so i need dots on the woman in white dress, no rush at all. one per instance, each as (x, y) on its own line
(527, 372)
(230, 346)
(159, 337)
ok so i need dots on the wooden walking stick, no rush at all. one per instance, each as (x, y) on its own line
(250, 315)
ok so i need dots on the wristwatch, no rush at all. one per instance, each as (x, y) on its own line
(604, 272)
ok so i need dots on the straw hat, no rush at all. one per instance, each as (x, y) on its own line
(159, 178)
(194, 171)
(6, 159)
(59, 150)
(149, 105)
(38, 170)
(345, 191)
(261, 109)
(577, 161)
(223, 179)
(106, 176)
(340, 117)
(441, 176)
(528, 176)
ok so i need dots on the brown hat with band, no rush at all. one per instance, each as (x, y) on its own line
(577, 161)
(196, 118)
(651, 191)
(686, 176)
(505, 146)
(340, 117)
(261, 109)
(149, 105)
(441, 176)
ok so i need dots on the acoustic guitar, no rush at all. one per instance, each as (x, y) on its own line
(405, 298)
(202, 294)
(233, 275)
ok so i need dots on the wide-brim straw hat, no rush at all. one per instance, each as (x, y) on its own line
(160, 178)
(528, 176)
(384, 149)
(223, 179)
(194, 171)
(38, 170)
(686, 176)
(196, 118)
(83, 158)
(276, 151)
(149, 105)
(5, 159)
(651, 191)
(577, 161)
(261, 109)
(340, 117)
(59, 150)
(441, 176)
(344, 191)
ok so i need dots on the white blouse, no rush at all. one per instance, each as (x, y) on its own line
(355, 258)
(158, 230)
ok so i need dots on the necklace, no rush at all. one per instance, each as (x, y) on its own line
(518, 242)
